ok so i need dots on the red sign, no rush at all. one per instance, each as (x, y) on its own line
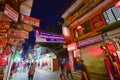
(3, 42)
(97, 21)
(11, 13)
(111, 47)
(18, 34)
(8, 49)
(31, 21)
(13, 41)
(3, 59)
(72, 46)
(117, 5)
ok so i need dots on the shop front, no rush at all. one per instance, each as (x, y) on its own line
(93, 56)
(112, 43)
(48, 62)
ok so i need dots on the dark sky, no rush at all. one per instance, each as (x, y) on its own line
(48, 11)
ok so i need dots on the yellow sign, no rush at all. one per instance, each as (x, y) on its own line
(88, 6)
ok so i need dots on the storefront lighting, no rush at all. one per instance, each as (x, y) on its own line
(79, 27)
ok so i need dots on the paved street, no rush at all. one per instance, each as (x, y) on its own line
(47, 75)
(39, 75)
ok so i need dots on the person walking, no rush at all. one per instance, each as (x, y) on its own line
(62, 70)
(68, 69)
(84, 72)
(31, 72)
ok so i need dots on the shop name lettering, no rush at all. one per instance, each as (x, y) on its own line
(90, 5)
(46, 36)
(31, 22)
(90, 41)
(86, 7)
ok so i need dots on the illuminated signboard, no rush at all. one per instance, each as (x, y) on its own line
(72, 46)
(31, 21)
(89, 41)
(49, 37)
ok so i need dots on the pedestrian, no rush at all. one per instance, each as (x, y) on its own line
(84, 72)
(62, 67)
(79, 67)
(68, 69)
(31, 72)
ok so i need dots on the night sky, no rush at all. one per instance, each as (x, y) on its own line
(48, 11)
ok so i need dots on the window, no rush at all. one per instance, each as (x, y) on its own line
(86, 27)
(112, 15)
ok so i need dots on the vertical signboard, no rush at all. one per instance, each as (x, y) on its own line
(66, 33)
(71, 60)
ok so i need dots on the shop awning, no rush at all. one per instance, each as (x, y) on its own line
(109, 27)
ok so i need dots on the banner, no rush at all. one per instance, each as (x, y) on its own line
(89, 41)
(49, 37)
(53, 40)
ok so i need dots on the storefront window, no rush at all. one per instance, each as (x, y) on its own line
(112, 15)
(86, 27)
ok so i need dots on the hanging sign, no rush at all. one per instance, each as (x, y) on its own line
(18, 33)
(31, 21)
(53, 40)
(11, 13)
(49, 37)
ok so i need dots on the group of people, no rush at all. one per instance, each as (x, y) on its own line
(67, 67)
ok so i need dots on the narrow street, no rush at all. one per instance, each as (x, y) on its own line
(39, 75)
(47, 75)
